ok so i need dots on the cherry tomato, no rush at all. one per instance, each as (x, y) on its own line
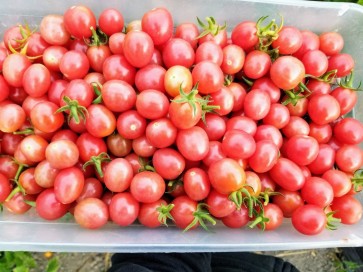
(209, 51)
(289, 40)
(12, 117)
(14, 67)
(288, 201)
(257, 64)
(287, 174)
(149, 213)
(123, 209)
(315, 62)
(147, 187)
(233, 59)
(178, 52)
(346, 98)
(237, 219)
(317, 191)
(101, 122)
(74, 64)
(196, 184)
(117, 67)
(257, 104)
(118, 175)
(309, 219)
(17, 204)
(158, 23)
(118, 95)
(343, 63)
(274, 215)
(287, 72)
(349, 131)
(33, 147)
(348, 209)
(142, 147)
(5, 187)
(264, 157)
(349, 158)
(321, 133)
(296, 126)
(161, 133)
(324, 161)
(151, 77)
(331, 43)
(302, 149)
(238, 144)
(339, 181)
(193, 143)
(48, 207)
(168, 163)
(209, 77)
(111, 21)
(91, 213)
(178, 78)
(219, 205)
(131, 125)
(152, 104)
(138, 48)
(188, 32)
(214, 126)
(245, 35)
(79, 20)
(68, 185)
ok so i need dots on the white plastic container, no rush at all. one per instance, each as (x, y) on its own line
(28, 232)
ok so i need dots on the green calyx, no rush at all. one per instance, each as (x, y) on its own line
(331, 223)
(164, 213)
(200, 216)
(268, 33)
(348, 81)
(98, 38)
(18, 188)
(189, 98)
(294, 96)
(97, 162)
(211, 27)
(357, 180)
(260, 219)
(97, 89)
(75, 110)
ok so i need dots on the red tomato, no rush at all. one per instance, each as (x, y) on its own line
(111, 21)
(193, 143)
(117, 67)
(267, 85)
(188, 32)
(33, 147)
(296, 126)
(183, 211)
(274, 215)
(219, 205)
(178, 52)
(68, 185)
(5, 187)
(243, 123)
(287, 72)
(324, 161)
(118, 175)
(131, 125)
(101, 122)
(79, 20)
(14, 67)
(152, 104)
(161, 133)
(321, 133)
(267, 132)
(17, 204)
(239, 94)
(48, 207)
(339, 181)
(323, 109)
(346, 98)
(310, 41)
(196, 184)
(138, 48)
(238, 144)
(97, 55)
(257, 104)
(12, 117)
(237, 219)
(331, 43)
(288, 201)
(287, 174)
(92, 189)
(62, 154)
(45, 174)
(74, 64)
(317, 191)
(257, 64)
(315, 62)
(209, 51)
(309, 219)
(147, 187)
(142, 147)
(214, 154)
(168, 163)
(278, 116)
(44, 117)
(349, 158)
(348, 209)
(245, 35)
(226, 176)
(289, 40)
(123, 209)
(344, 63)
(233, 59)
(91, 213)
(115, 43)
(118, 95)
(349, 131)
(214, 126)
(149, 214)
(302, 149)
(264, 157)
(209, 77)
(150, 77)
(158, 23)
(224, 99)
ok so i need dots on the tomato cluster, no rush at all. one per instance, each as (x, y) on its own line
(189, 126)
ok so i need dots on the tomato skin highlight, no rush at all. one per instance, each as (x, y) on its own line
(309, 219)
(287, 174)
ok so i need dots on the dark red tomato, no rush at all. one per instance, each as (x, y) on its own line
(349, 131)
(91, 213)
(219, 205)
(188, 32)
(296, 126)
(111, 21)
(310, 41)
(10, 142)
(214, 154)
(302, 149)
(287, 174)
(117, 67)
(346, 98)
(267, 132)
(274, 214)
(317, 191)
(196, 184)
(74, 65)
(68, 185)
(44, 117)
(287, 72)
(48, 207)
(264, 157)
(12, 117)
(118, 145)
(142, 147)
(17, 204)
(138, 48)
(257, 104)
(288, 201)
(62, 154)
(278, 116)
(178, 52)
(101, 122)
(224, 99)
(149, 213)
(4, 89)
(78, 128)
(14, 67)
(339, 181)
(124, 209)
(79, 20)
(226, 176)
(131, 125)
(97, 55)
(150, 77)
(344, 63)
(8, 167)
(118, 95)
(152, 104)
(118, 175)
(107, 197)
(147, 187)
(45, 174)
(243, 123)
(349, 158)
(245, 35)
(209, 51)
(176, 78)
(56, 89)
(324, 161)
(168, 163)
(266, 84)
(348, 209)
(183, 211)
(322, 133)
(193, 143)
(233, 59)
(5, 187)
(309, 219)
(315, 62)
(238, 144)
(239, 94)
(237, 219)
(209, 77)
(115, 43)
(27, 182)
(33, 147)
(257, 64)
(92, 189)
(158, 23)
(334, 143)
(331, 43)
(214, 126)
(161, 133)
(136, 162)
(53, 30)
(289, 40)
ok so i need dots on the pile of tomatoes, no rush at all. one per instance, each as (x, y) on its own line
(143, 122)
